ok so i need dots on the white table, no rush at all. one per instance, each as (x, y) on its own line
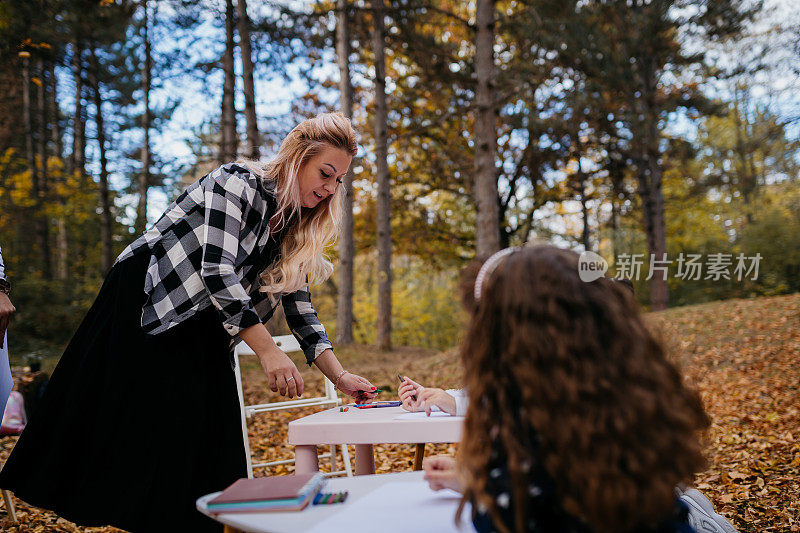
(363, 428)
(358, 487)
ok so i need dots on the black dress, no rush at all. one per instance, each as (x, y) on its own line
(132, 428)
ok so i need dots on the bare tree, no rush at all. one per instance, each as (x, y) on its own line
(253, 138)
(105, 200)
(143, 184)
(344, 307)
(384, 325)
(57, 144)
(487, 231)
(229, 143)
(77, 160)
(40, 222)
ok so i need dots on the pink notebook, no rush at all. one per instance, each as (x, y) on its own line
(266, 488)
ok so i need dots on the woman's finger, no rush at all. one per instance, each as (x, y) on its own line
(298, 379)
(273, 383)
(281, 381)
(291, 386)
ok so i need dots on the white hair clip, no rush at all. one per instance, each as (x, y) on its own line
(488, 267)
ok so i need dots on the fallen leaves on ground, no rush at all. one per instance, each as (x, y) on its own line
(743, 355)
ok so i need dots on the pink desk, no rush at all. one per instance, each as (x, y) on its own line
(363, 428)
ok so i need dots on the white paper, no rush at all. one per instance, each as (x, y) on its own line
(400, 507)
(422, 415)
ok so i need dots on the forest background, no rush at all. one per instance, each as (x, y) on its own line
(621, 127)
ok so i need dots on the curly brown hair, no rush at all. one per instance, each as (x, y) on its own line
(547, 354)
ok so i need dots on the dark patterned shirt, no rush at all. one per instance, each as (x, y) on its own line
(545, 514)
(210, 248)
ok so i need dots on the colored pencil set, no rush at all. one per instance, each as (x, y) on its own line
(328, 498)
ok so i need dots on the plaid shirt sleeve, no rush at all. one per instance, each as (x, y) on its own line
(226, 200)
(305, 325)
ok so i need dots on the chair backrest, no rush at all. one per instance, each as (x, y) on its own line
(289, 344)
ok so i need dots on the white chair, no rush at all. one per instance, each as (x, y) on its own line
(288, 344)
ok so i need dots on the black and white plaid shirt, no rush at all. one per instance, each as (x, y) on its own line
(209, 248)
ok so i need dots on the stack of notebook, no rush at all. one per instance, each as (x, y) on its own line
(264, 494)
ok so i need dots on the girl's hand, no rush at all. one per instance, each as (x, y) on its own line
(441, 473)
(357, 387)
(429, 397)
(282, 374)
(408, 389)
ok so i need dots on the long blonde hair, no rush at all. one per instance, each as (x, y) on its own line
(303, 247)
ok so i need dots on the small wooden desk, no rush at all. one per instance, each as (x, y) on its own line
(358, 487)
(363, 428)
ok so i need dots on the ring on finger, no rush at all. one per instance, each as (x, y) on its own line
(290, 377)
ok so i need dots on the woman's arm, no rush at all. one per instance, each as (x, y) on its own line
(302, 319)
(226, 198)
(350, 384)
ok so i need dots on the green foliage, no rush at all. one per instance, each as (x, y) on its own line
(425, 305)
(775, 234)
(48, 313)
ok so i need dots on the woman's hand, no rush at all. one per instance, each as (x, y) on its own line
(408, 389)
(357, 387)
(282, 373)
(441, 473)
(6, 310)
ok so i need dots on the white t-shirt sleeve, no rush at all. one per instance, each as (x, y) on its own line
(462, 401)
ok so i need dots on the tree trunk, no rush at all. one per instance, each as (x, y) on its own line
(616, 177)
(144, 176)
(55, 114)
(229, 143)
(40, 223)
(746, 176)
(253, 138)
(44, 186)
(585, 234)
(105, 201)
(77, 159)
(384, 325)
(649, 177)
(487, 232)
(581, 190)
(62, 248)
(344, 296)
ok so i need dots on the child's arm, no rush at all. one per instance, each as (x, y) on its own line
(430, 398)
(451, 401)
(441, 473)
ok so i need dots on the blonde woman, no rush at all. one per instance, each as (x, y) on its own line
(141, 416)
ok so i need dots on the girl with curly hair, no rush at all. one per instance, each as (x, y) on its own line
(577, 421)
